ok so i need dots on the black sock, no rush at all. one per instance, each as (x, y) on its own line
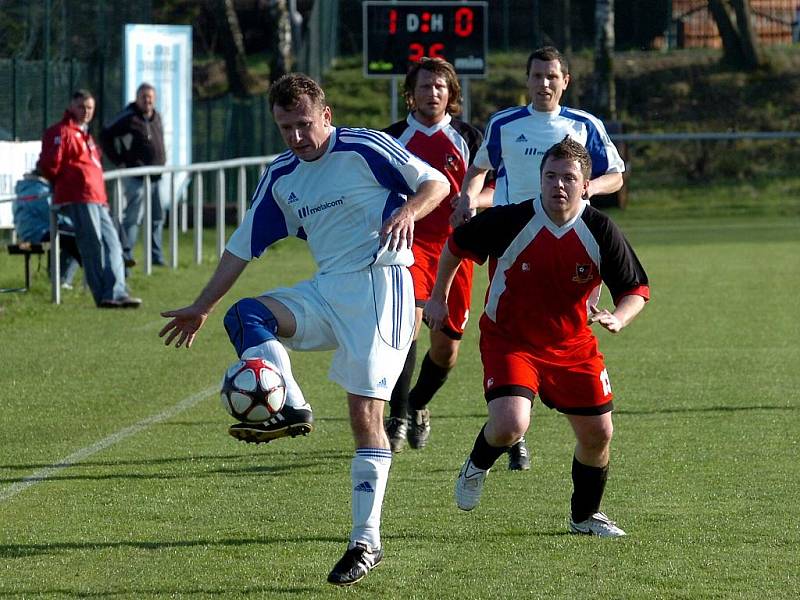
(431, 378)
(588, 485)
(398, 404)
(483, 455)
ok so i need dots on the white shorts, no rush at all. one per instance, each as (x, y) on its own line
(366, 316)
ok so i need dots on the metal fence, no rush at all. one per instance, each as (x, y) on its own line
(211, 184)
(179, 207)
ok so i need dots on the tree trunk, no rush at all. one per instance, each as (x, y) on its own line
(604, 89)
(239, 79)
(739, 43)
(282, 57)
(747, 34)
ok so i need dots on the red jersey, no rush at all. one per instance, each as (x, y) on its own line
(547, 276)
(449, 146)
(70, 160)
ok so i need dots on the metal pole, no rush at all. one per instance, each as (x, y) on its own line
(220, 212)
(118, 200)
(241, 189)
(393, 94)
(466, 103)
(173, 222)
(55, 258)
(198, 218)
(148, 226)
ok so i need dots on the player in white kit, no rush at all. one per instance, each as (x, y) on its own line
(517, 138)
(353, 195)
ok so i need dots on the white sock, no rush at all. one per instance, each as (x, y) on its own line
(369, 472)
(273, 351)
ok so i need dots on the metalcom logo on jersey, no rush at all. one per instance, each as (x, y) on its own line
(305, 211)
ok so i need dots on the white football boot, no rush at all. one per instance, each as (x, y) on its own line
(598, 524)
(469, 486)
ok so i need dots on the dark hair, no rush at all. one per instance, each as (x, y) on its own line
(287, 90)
(571, 150)
(82, 94)
(144, 86)
(439, 67)
(546, 54)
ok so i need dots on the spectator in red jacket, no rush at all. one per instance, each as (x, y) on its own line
(70, 160)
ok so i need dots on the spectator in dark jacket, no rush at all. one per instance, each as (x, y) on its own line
(70, 160)
(135, 138)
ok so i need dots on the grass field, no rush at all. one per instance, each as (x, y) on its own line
(117, 478)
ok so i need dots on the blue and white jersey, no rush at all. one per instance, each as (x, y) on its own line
(336, 202)
(517, 138)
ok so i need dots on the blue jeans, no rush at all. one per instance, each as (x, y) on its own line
(100, 249)
(134, 214)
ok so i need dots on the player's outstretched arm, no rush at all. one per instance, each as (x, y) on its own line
(186, 322)
(436, 311)
(629, 306)
(399, 227)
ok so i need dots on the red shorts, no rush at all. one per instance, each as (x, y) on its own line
(582, 388)
(423, 272)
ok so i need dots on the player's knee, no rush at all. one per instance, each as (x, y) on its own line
(444, 353)
(507, 431)
(597, 439)
(249, 323)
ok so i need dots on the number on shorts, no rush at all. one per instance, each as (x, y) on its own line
(606, 382)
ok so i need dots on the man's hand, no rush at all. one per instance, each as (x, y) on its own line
(462, 211)
(398, 229)
(185, 324)
(435, 313)
(606, 319)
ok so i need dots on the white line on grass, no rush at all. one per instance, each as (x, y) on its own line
(112, 439)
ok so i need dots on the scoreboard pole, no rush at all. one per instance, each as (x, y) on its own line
(465, 95)
(393, 94)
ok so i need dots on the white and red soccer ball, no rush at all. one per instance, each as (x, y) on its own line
(253, 390)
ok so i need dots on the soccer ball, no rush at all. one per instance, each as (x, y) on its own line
(253, 390)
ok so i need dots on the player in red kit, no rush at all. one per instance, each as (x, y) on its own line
(550, 255)
(433, 95)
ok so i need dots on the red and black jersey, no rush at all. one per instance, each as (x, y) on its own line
(449, 146)
(545, 276)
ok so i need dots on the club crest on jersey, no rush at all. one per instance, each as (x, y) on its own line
(583, 273)
(450, 162)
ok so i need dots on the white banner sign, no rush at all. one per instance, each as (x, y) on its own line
(16, 159)
(161, 55)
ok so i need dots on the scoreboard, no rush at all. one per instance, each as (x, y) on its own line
(397, 34)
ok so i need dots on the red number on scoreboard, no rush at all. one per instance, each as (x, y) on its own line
(464, 22)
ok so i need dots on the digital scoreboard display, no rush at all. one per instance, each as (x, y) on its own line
(397, 34)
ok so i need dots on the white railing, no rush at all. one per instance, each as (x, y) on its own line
(239, 164)
(175, 203)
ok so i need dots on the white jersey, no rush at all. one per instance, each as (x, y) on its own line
(517, 138)
(337, 202)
